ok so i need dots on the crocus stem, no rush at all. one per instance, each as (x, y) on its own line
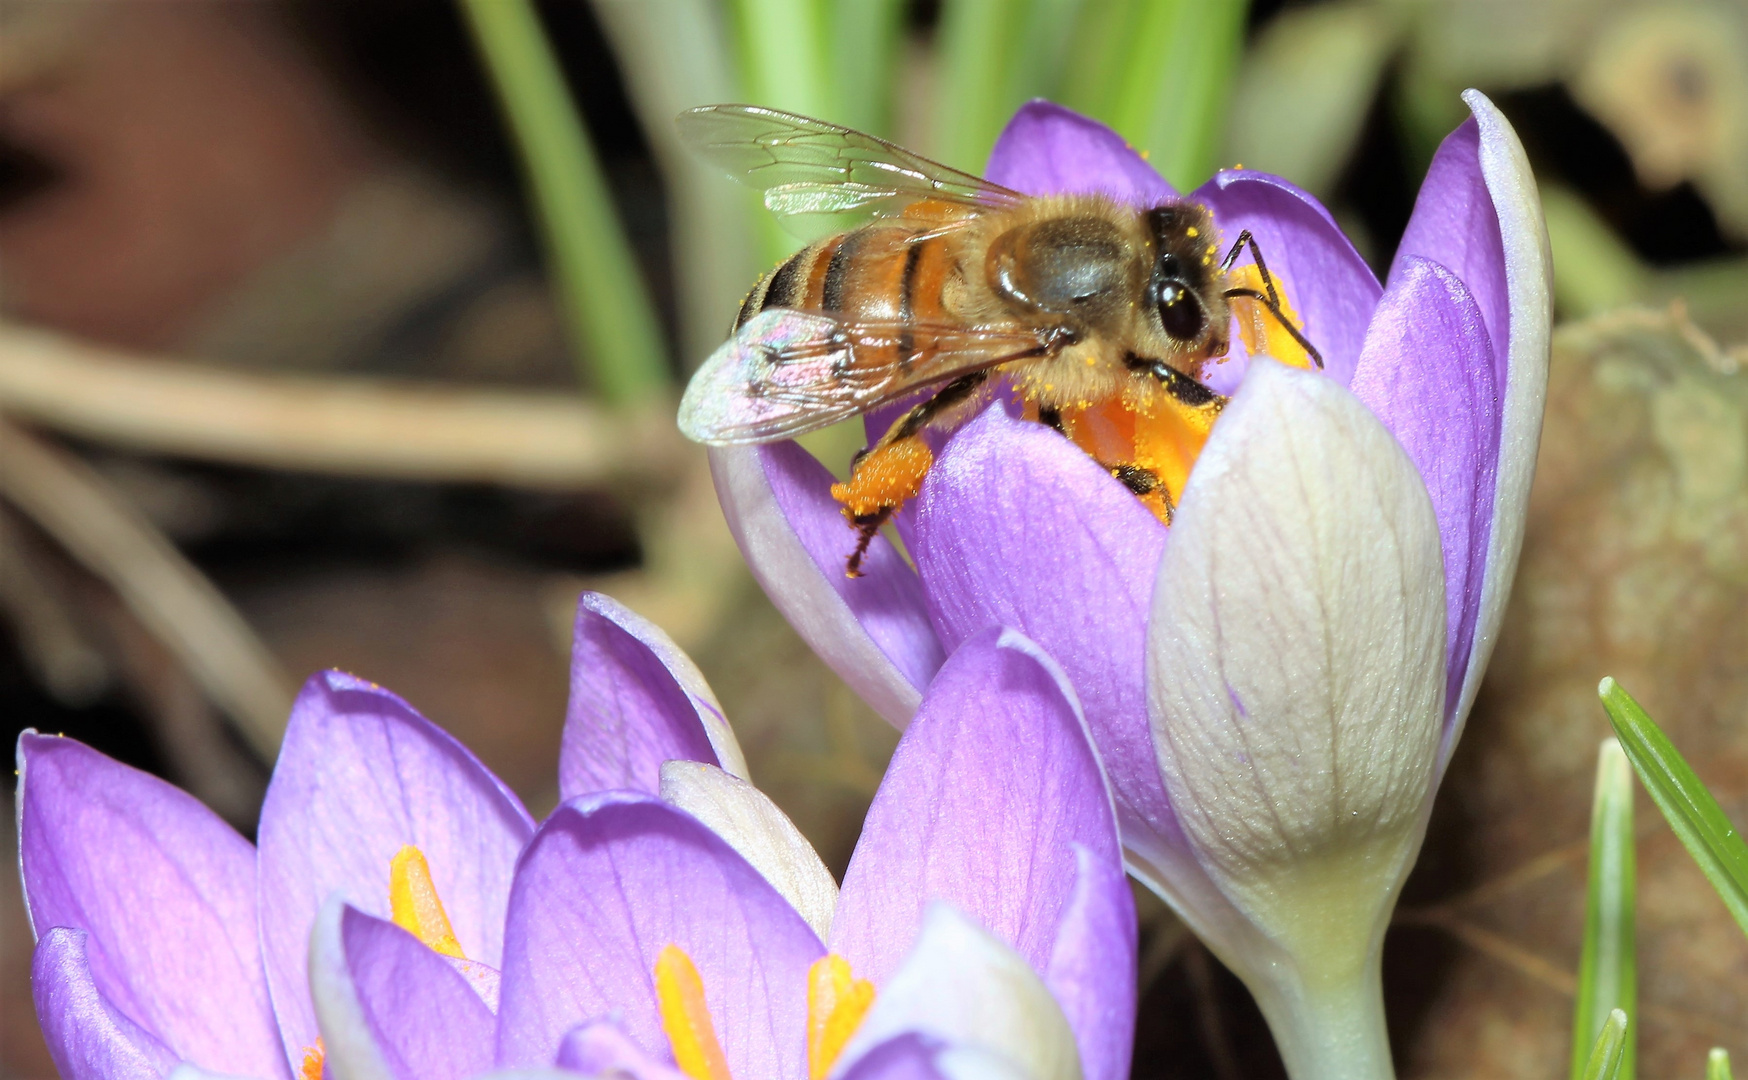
(1333, 1030)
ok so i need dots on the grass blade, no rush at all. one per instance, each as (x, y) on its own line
(1718, 1064)
(1176, 82)
(1605, 1060)
(1692, 812)
(675, 54)
(1606, 974)
(601, 292)
(862, 51)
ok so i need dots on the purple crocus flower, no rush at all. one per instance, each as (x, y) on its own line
(1276, 681)
(169, 945)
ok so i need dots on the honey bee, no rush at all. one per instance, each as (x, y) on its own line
(1099, 316)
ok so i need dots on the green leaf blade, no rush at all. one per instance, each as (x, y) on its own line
(1607, 973)
(611, 320)
(1696, 817)
(1605, 1059)
(1718, 1064)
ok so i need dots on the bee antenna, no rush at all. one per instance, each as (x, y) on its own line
(1286, 324)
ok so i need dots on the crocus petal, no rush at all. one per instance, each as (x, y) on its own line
(910, 1056)
(88, 1037)
(962, 986)
(961, 817)
(763, 834)
(873, 630)
(361, 774)
(1092, 971)
(636, 701)
(390, 1007)
(1049, 150)
(608, 882)
(602, 1049)
(1479, 215)
(164, 888)
(1303, 590)
(1018, 527)
(1427, 373)
(1328, 284)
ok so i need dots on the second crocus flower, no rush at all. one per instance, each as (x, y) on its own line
(404, 919)
(1276, 681)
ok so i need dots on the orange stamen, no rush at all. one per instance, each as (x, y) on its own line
(836, 1004)
(1257, 325)
(685, 1019)
(415, 905)
(313, 1059)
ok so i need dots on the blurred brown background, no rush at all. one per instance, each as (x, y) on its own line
(268, 211)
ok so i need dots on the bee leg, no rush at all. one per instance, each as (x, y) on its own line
(1269, 298)
(1145, 485)
(887, 474)
(1052, 418)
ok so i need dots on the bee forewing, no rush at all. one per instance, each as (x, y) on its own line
(787, 372)
(797, 160)
(777, 377)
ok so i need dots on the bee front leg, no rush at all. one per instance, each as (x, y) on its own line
(887, 474)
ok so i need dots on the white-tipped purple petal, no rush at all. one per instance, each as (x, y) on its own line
(360, 774)
(962, 818)
(165, 890)
(88, 1037)
(1018, 527)
(1049, 150)
(636, 701)
(964, 988)
(1326, 281)
(1296, 660)
(609, 881)
(601, 1049)
(1092, 971)
(873, 630)
(1427, 373)
(763, 834)
(390, 1007)
(1479, 215)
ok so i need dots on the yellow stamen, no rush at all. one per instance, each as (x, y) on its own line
(1257, 325)
(313, 1058)
(415, 905)
(680, 995)
(836, 1003)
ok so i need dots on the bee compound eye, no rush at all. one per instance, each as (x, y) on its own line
(1180, 313)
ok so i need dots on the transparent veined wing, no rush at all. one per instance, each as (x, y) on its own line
(808, 168)
(787, 372)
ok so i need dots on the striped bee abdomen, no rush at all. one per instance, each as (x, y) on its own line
(881, 273)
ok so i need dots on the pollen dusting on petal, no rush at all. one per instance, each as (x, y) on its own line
(313, 1059)
(415, 905)
(685, 1019)
(1257, 325)
(836, 1003)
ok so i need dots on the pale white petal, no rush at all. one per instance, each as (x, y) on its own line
(753, 825)
(351, 1051)
(1296, 647)
(972, 1063)
(1529, 288)
(795, 585)
(966, 988)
